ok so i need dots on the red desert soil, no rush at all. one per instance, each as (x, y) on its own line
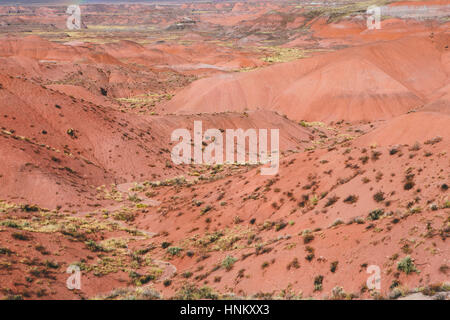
(326, 88)
(67, 129)
(266, 231)
(87, 178)
(409, 128)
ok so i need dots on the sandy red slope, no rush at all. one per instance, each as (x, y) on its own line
(354, 31)
(100, 144)
(274, 212)
(350, 195)
(40, 49)
(409, 128)
(391, 81)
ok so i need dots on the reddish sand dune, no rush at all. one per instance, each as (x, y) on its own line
(121, 146)
(336, 92)
(207, 54)
(310, 194)
(343, 29)
(89, 66)
(239, 6)
(392, 78)
(347, 195)
(37, 48)
(231, 20)
(440, 101)
(31, 46)
(81, 94)
(353, 32)
(95, 144)
(21, 66)
(292, 136)
(50, 118)
(408, 129)
(133, 52)
(413, 3)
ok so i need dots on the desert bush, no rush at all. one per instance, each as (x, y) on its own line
(139, 279)
(337, 222)
(375, 155)
(415, 147)
(131, 294)
(293, 264)
(94, 246)
(10, 224)
(5, 251)
(174, 251)
(408, 185)
(331, 200)
(351, 199)
(206, 209)
(165, 244)
(406, 265)
(375, 214)
(338, 293)
(333, 266)
(379, 196)
(20, 236)
(280, 225)
(191, 292)
(318, 283)
(228, 262)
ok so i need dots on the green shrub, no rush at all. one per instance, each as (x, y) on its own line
(139, 279)
(165, 244)
(331, 200)
(333, 266)
(337, 222)
(280, 225)
(174, 251)
(10, 224)
(375, 214)
(51, 264)
(5, 251)
(167, 283)
(406, 265)
(20, 236)
(351, 199)
(318, 283)
(29, 208)
(379, 196)
(191, 292)
(228, 262)
(408, 185)
(94, 246)
(206, 209)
